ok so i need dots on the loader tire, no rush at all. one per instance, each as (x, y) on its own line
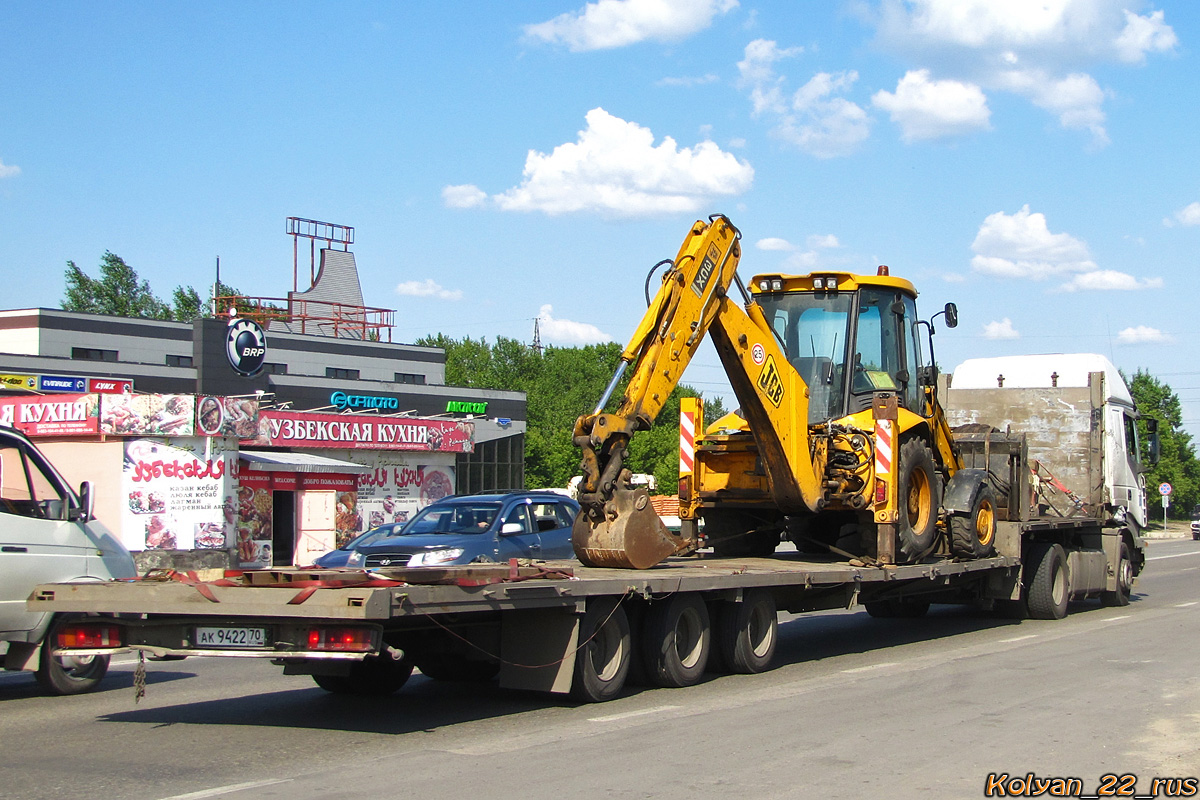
(1048, 581)
(973, 535)
(918, 498)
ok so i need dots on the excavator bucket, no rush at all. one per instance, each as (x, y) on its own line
(630, 535)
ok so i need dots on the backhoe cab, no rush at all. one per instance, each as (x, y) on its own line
(839, 442)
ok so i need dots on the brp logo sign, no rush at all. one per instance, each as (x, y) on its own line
(246, 347)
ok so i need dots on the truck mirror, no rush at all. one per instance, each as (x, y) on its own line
(1154, 445)
(951, 315)
(87, 501)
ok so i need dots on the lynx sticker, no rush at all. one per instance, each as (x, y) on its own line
(770, 382)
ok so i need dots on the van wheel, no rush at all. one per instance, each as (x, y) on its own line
(602, 663)
(377, 676)
(747, 633)
(1120, 596)
(973, 535)
(62, 675)
(918, 498)
(1049, 588)
(678, 637)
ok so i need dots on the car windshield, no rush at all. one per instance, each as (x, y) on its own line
(456, 518)
(370, 536)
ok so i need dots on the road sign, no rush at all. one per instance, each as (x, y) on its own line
(1164, 489)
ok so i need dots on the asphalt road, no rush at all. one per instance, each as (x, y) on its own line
(858, 707)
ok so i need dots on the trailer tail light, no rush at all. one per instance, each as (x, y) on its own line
(88, 636)
(341, 640)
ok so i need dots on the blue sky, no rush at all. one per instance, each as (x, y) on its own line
(1034, 162)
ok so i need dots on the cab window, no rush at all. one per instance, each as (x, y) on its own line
(25, 487)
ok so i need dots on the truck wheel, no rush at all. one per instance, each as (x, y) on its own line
(898, 608)
(1120, 596)
(602, 663)
(450, 667)
(61, 675)
(371, 677)
(1049, 588)
(920, 494)
(747, 633)
(678, 640)
(973, 535)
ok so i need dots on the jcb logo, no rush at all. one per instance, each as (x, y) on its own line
(770, 382)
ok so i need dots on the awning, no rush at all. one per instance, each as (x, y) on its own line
(261, 461)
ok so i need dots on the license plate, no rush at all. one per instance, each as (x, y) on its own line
(231, 637)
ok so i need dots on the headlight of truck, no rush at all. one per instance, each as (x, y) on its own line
(356, 558)
(432, 557)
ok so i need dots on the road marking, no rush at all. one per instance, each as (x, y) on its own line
(627, 714)
(1173, 555)
(1114, 619)
(1019, 638)
(1185, 605)
(870, 667)
(230, 789)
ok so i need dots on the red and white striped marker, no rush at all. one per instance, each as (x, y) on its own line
(883, 447)
(687, 441)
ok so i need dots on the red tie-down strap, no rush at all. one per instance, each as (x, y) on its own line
(306, 587)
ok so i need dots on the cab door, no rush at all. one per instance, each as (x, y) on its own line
(37, 543)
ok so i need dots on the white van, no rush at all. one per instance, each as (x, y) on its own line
(47, 535)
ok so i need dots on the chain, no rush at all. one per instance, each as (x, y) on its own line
(139, 678)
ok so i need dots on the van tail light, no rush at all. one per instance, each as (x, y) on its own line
(341, 640)
(88, 636)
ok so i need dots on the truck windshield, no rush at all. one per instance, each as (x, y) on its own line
(812, 328)
(457, 518)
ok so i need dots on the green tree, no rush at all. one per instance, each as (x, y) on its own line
(118, 291)
(1177, 463)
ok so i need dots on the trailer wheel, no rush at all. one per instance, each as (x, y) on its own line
(678, 640)
(973, 535)
(1120, 596)
(898, 608)
(747, 632)
(1049, 588)
(920, 494)
(602, 663)
(62, 675)
(371, 677)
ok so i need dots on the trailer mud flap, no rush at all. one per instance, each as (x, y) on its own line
(537, 649)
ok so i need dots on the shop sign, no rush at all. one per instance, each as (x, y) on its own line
(57, 415)
(176, 496)
(362, 432)
(245, 346)
(110, 386)
(61, 383)
(343, 400)
(148, 414)
(20, 382)
(463, 407)
(227, 416)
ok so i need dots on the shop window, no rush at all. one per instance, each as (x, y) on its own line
(179, 361)
(93, 354)
(341, 374)
(408, 377)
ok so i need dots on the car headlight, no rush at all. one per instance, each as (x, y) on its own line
(432, 557)
(356, 558)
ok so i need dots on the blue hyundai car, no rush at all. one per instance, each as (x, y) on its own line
(477, 528)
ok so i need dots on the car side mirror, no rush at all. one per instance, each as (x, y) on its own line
(511, 527)
(87, 502)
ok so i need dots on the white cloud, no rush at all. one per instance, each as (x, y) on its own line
(616, 169)
(928, 109)
(825, 241)
(757, 73)
(1188, 215)
(1143, 35)
(9, 170)
(1039, 49)
(1143, 334)
(824, 125)
(1000, 330)
(773, 243)
(954, 277)
(1109, 280)
(463, 196)
(1021, 246)
(564, 331)
(427, 288)
(689, 81)
(606, 24)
